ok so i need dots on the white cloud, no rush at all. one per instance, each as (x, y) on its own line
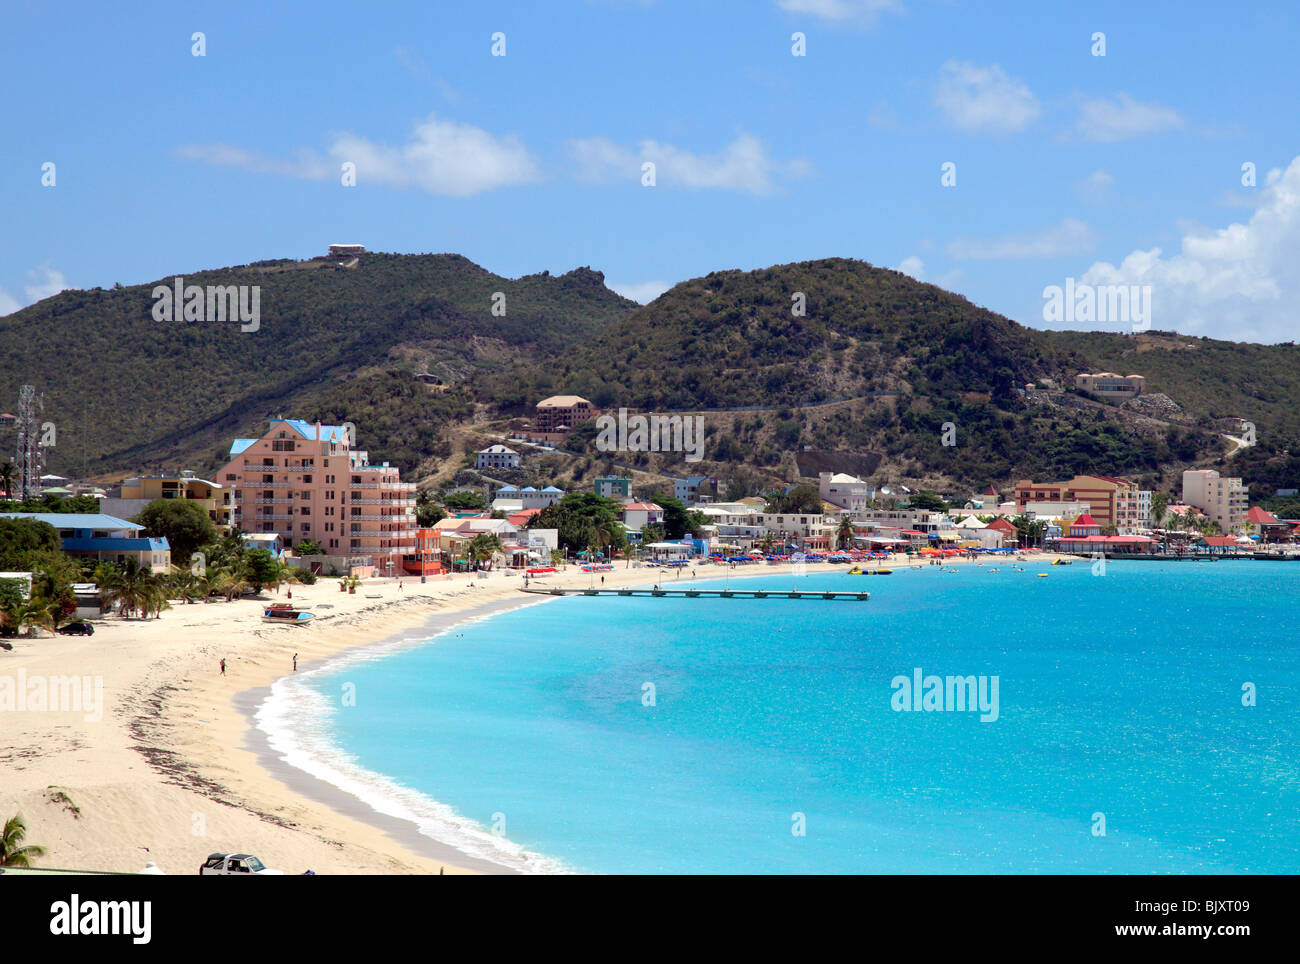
(1095, 188)
(308, 165)
(842, 11)
(743, 165)
(1071, 236)
(912, 266)
(975, 98)
(45, 282)
(1241, 282)
(642, 292)
(1123, 117)
(442, 157)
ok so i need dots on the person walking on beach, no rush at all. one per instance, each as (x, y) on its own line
(223, 667)
(295, 662)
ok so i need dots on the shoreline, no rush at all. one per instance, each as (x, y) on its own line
(176, 766)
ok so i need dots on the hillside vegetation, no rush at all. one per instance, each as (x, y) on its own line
(879, 368)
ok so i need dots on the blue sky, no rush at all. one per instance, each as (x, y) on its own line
(1122, 169)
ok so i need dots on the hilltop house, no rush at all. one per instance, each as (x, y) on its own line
(496, 457)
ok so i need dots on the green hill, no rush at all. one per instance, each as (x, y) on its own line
(873, 372)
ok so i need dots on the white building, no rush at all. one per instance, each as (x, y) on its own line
(1225, 501)
(497, 457)
(844, 490)
(508, 498)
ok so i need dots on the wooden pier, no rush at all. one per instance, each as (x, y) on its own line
(709, 593)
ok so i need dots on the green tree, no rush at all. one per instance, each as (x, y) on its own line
(801, 498)
(13, 853)
(584, 520)
(263, 569)
(182, 522)
(308, 547)
(429, 515)
(927, 502)
(464, 502)
(679, 521)
(18, 537)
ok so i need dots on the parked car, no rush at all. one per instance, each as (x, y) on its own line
(236, 865)
(79, 628)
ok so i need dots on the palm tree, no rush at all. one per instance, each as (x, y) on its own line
(844, 534)
(7, 472)
(482, 547)
(12, 851)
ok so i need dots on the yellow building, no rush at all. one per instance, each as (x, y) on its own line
(138, 492)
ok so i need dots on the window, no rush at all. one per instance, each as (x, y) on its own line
(306, 479)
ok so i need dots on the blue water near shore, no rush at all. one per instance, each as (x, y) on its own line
(1120, 698)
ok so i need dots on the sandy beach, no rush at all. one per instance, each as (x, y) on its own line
(170, 768)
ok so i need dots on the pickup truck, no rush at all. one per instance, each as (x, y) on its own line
(234, 865)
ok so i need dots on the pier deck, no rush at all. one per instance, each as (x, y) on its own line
(703, 593)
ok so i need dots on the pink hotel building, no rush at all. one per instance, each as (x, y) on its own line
(304, 481)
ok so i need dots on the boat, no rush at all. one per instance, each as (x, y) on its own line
(284, 613)
(1062, 562)
(882, 572)
(855, 571)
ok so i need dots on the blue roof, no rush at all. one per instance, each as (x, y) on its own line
(115, 543)
(306, 429)
(507, 488)
(551, 488)
(528, 488)
(75, 520)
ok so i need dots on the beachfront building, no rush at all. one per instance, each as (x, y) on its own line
(1010, 534)
(270, 541)
(1223, 500)
(1112, 501)
(1145, 508)
(134, 494)
(496, 457)
(843, 490)
(558, 415)
(1269, 527)
(1065, 511)
(613, 487)
(94, 535)
(304, 481)
(936, 526)
(1109, 386)
(971, 531)
(635, 516)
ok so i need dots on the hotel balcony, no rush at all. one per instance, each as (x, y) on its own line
(269, 501)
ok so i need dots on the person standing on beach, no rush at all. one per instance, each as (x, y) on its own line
(295, 662)
(223, 667)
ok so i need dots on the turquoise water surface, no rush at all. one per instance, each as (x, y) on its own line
(1120, 699)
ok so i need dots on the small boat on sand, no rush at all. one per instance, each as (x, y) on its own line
(284, 613)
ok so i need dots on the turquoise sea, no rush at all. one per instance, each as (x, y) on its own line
(769, 741)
